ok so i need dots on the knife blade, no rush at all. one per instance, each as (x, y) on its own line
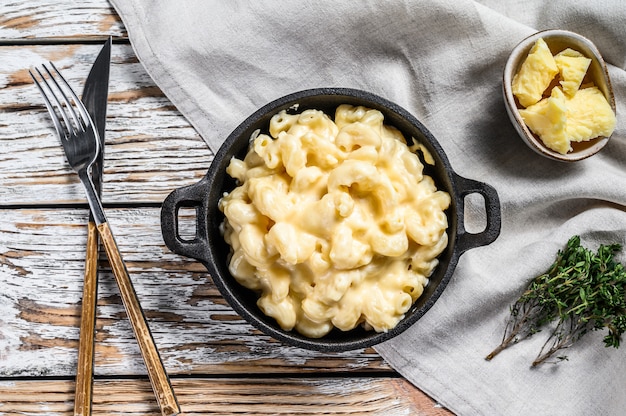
(95, 95)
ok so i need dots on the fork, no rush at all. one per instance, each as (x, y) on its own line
(80, 142)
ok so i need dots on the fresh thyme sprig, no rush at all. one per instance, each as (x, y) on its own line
(583, 290)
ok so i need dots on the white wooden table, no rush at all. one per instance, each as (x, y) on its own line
(218, 363)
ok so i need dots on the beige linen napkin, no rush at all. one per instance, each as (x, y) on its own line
(442, 61)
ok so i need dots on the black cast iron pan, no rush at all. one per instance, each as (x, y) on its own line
(209, 248)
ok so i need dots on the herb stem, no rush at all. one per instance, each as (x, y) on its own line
(582, 290)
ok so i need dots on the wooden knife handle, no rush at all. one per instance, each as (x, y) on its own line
(84, 373)
(156, 371)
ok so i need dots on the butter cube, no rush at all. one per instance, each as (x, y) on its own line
(535, 74)
(573, 112)
(572, 66)
(589, 115)
(560, 120)
(547, 119)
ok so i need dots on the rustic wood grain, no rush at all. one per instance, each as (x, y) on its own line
(59, 20)
(157, 373)
(87, 330)
(382, 396)
(41, 272)
(150, 147)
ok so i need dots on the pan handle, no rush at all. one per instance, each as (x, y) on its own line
(195, 196)
(192, 196)
(468, 240)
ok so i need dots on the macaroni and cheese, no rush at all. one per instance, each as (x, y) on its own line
(333, 221)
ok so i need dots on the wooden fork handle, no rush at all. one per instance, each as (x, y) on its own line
(84, 373)
(156, 371)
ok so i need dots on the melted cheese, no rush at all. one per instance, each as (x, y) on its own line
(334, 222)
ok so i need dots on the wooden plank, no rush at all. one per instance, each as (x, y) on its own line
(204, 396)
(151, 148)
(41, 272)
(59, 20)
(41, 253)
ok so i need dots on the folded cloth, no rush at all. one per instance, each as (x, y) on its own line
(220, 61)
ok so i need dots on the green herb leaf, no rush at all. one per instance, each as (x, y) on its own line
(581, 290)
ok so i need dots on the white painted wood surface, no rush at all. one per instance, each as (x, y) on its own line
(43, 255)
(219, 363)
(382, 396)
(58, 19)
(150, 148)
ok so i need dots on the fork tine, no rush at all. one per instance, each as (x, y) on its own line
(68, 104)
(55, 118)
(86, 120)
(69, 127)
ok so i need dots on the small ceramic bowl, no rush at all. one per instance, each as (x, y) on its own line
(557, 40)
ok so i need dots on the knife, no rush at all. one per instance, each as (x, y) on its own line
(95, 94)
(95, 99)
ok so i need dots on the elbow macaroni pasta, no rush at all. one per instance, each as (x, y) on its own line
(333, 221)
